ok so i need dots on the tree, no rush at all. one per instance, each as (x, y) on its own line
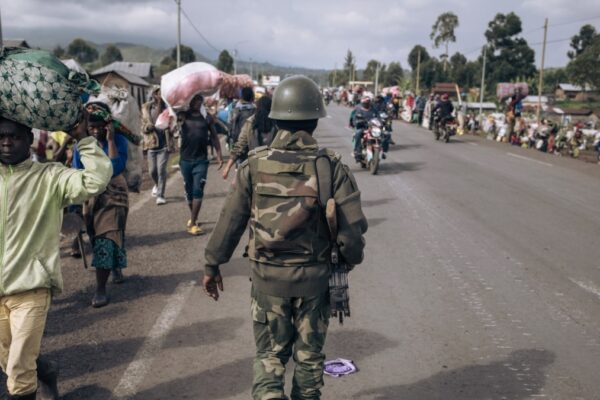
(111, 54)
(579, 42)
(553, 77)
(508, 57)
(80, 50)
(432, 72)
(349, 64)
(393, 75)
(225, 62)
(338, 77)
(443, 32)
(413, 56)
(371, 70)
(187, 54)
(584, 70)
(59, 52)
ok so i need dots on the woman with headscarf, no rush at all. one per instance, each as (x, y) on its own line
(106, 214)
(258, 130)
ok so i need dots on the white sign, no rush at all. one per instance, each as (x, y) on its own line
(271, 80)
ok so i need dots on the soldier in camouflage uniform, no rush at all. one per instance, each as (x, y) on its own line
(276, 190)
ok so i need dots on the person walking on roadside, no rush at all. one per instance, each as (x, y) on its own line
(258, 130)
(158, 143)
(33, 199)
(276, 190)
(243, 109)
(106, 213)
(197, 131)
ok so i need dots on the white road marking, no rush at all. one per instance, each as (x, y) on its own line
(529, 159)
(590, 287)
(141, 364)
(472, 144)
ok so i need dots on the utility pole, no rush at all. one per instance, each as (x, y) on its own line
(235, 61)
(418, 72)
(178, 33)
(377, 79)
(482, 89)
(334, 74)
(1, 38)
(541, 85)
(251, 68)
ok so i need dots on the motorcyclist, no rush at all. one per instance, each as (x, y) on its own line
(379, 104)
(359, 120)
(434, 101)
(444, 109)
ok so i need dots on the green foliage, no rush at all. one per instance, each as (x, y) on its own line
(187, 54)
(111, 54)
(584, 70)
(432, 72)
(371, 70)
(552, 77)
(59, 52)
(349, 64)
(394, 75)
(413, 56)
(508, 57)
(225, 62)
(442, 31)
(580, 42)
(82, 51)
(338, 77)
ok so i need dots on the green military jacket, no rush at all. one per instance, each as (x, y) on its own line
(276, 192)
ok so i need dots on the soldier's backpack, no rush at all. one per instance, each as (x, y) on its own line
(286, 226)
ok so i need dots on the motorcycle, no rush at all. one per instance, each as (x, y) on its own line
(444, 130)
(371, 144)
(392, 110)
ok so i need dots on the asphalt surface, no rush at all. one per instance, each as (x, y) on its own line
(481, 281)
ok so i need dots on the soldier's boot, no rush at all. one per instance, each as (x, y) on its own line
(47, 373)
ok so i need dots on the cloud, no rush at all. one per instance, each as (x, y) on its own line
(310, 33)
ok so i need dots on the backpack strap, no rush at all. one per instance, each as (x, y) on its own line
(324, 173)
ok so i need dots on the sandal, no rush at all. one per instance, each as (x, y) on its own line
(99, 300)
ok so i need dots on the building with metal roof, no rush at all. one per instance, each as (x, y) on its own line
(141, 69)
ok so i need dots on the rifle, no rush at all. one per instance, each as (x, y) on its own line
(338, 278)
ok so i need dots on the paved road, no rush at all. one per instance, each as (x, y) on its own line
(481, 281)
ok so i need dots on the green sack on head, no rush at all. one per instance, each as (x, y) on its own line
(39, 91)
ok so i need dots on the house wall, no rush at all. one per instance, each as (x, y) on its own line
(587, 96)
(138, 92)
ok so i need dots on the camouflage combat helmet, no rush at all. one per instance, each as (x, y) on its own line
(297, 98)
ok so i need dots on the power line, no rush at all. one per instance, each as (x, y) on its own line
(198, 31)
(575, 21)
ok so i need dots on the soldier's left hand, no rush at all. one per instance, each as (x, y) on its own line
(212, 285)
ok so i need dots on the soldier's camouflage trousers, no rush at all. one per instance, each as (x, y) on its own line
(284, 327)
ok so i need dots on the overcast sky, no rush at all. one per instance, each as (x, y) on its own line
(308, 33)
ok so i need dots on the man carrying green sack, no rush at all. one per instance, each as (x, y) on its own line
(32, 197)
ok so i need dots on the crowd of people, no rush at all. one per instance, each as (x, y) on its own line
(81, 171)
(512, 126)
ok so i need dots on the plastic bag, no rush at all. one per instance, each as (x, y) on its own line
(232, 84)
(39, 91)
(504, 90)
(179, 86)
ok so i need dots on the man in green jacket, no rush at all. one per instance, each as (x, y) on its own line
(276, 190)
(32, 198)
